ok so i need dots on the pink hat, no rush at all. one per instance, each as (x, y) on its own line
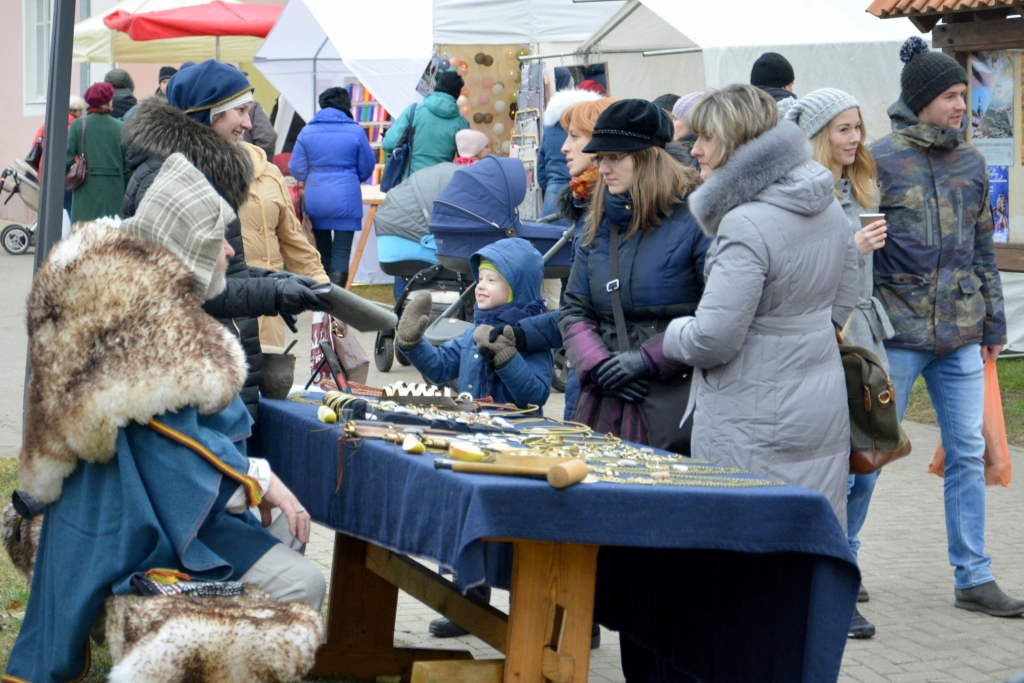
(470, 142)
(684, 104)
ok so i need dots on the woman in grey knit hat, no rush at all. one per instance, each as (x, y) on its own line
(831, 119)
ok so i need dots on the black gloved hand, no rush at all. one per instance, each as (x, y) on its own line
(633, 392)
(285, 275)
(293, 296)
(516, 330)
(291, 321)
(621, 369)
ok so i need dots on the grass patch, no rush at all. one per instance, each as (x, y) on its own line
(385, 294)
(1011, 388)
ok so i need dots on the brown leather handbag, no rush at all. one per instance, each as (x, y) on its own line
(76, 174)
(876, 436)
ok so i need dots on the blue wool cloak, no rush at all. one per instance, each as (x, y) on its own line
(157, 504)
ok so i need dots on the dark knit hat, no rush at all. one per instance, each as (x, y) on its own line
(630, 126)
(99, 94)
(666, 102)
(198, 89)
(166, 72)
(337, 98)
(119, 78)
(926, 74)
(772, 70)
(450, 83)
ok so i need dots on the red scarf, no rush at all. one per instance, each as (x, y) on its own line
(582, 186)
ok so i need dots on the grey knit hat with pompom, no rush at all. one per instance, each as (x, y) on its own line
(813, 111)
(926, 74)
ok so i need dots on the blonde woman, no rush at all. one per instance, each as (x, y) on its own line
(832, 120)
(769, 389)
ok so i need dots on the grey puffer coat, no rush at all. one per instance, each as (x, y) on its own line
(869, 324)
(770, 396)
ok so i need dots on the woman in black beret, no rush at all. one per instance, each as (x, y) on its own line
(640, 264)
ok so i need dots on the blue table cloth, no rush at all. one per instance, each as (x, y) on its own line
(727, 584)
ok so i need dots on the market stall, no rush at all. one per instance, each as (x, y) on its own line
(772, 557)
(987, 40)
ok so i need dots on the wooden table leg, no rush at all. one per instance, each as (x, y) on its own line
(361, 622)
(551, 612)
(367, 226)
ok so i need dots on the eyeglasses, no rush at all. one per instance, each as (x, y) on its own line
(612, 160)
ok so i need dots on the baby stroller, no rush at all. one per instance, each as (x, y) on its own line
(405, 249)
(478, 207)
(20, 179)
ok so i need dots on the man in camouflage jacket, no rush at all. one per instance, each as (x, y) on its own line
(936, 277)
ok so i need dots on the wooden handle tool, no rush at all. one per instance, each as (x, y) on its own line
(559, 476)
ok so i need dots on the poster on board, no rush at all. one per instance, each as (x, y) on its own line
(999, 194)
(992, 106)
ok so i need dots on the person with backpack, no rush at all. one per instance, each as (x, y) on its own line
(436, 120)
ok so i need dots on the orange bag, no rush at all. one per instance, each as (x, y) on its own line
(997, 450)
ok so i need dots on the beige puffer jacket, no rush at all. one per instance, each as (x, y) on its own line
(272, 236)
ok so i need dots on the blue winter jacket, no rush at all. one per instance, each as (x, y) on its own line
(333, 156)
(552, 171)
(524, 380)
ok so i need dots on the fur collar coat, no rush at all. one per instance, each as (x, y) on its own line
(117, 334)
(770, 396)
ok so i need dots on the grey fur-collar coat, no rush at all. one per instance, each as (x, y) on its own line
(769, 389)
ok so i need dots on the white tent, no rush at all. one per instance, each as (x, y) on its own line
(317, 44)
(504, 22)
(831, 43)
(94, 42)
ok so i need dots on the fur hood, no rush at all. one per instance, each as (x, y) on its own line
(775, 168)
(562, 100)
(157, 129)
(117, 334)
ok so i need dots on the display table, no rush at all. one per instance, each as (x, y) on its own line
(736, 582)
(372, 197)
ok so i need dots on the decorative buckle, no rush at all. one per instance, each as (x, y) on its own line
(612, 285)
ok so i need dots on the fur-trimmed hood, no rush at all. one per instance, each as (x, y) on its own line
(158, 130)
(775, 168)
(562, 100)
(117, 334)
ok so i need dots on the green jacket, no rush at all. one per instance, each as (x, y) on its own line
(437, 120)
(936, 276)
(107, 177)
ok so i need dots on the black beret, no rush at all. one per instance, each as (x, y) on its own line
(630, 126)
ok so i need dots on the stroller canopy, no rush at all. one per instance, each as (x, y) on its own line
(488, 193)
(407, 208)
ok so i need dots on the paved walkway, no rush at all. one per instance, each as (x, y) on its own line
(921, 637)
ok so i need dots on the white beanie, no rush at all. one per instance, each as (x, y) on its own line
(470, 142)
(813, 111)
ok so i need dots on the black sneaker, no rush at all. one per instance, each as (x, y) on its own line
(595, 637)
(862, 594)
(861, 627)
(989, 599)
(446, 628)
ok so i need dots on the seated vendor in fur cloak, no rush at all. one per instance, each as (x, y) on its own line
(134, 430)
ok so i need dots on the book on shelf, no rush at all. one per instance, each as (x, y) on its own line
(375, 120)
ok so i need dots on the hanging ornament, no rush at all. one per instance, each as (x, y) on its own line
(479, 57)
(443, 65)
(498, 129)
(498, 89)
(487, 82)
(488, 118)
(463, 69)
(465, 91)
(506, 146)
(483, 99)
(488, 60)
(500, 107)
(465, 111)
(462, 101)
(478, 117)
(513, 97)
(523, 52)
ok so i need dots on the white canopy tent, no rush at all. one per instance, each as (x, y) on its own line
(831, 43)
(317, 44)
(94, 42)
(505, 22)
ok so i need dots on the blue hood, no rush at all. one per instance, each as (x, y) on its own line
(518, 262)
(442, 105)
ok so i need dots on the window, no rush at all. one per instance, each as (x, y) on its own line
(36, 31)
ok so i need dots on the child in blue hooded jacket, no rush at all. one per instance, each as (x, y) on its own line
(508, 274)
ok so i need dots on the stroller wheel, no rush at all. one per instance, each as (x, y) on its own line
(400, 357)
(16, 239)
(561, 375)
(384, 352)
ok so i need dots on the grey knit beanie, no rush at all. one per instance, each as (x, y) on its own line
(813, 111)
(182, 213)
(926, 74)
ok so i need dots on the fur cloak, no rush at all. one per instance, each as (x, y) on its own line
(117, 333)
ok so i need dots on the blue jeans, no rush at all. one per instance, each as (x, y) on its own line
(859, 488)
(956, 386)
(334, 253)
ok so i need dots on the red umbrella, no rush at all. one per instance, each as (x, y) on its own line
(211, 19)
